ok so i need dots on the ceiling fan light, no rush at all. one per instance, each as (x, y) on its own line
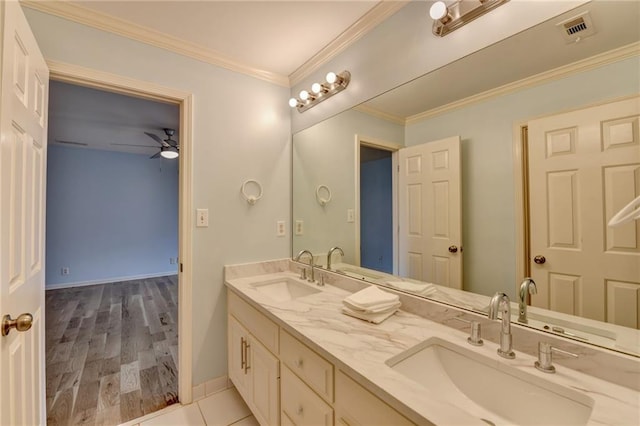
(169, 153)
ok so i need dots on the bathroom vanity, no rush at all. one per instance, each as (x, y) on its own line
(296, 360)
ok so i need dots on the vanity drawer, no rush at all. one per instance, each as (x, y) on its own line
(314, 370)
(300, 405)
(262, 328)
(357, 406)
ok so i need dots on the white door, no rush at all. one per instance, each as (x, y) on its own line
(430, 240)
(583, 167)
(23, 147)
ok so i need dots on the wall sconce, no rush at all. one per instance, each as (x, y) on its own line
(333, 84)
(449, 18)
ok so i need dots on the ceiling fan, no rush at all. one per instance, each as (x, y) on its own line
(169, 148)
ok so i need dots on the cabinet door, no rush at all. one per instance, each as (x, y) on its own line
(265, 370)
(237, 353)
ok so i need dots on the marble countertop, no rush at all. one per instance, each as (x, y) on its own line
(360, 349)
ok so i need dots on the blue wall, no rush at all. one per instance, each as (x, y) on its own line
(109, 215)
(376, 215)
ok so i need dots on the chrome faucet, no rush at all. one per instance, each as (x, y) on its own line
(311, 278)
(330, 254)
(500, 302)
(527, 287)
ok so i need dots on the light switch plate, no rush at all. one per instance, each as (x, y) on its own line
(351, 215)
(281, 231)
(299, 227)
(202, 218)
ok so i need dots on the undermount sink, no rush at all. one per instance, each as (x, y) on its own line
(495, 392)
(285, 289)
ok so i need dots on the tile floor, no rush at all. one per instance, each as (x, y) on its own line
(223, 408)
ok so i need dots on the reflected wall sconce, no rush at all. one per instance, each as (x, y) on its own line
(333, 84)
(448, 18)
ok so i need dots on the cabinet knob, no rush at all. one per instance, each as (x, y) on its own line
(300, 410)
(298, 363)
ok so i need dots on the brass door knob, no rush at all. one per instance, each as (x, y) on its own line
(539, 259)
(22, 323)
(453, 249)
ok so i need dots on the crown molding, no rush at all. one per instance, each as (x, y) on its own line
(583, 65)
(365, 109)
(102, 21)
(362, 26)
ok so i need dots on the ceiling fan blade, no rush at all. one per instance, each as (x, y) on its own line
(129, 144)
(155, 138)
(70, 142)
(156, 155)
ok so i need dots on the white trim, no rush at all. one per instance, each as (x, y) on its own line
(108, 280)
(366, 109)
(602, 59)
(518, 182)
(362, 26)
(385, 146)
(119, 84)
(124, 28)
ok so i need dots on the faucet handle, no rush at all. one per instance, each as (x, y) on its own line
(545, 357)
(303, 273)
(475, 338)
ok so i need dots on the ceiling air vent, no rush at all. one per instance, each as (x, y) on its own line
(576, 28)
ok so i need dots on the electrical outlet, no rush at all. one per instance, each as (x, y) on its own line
(299, 227)
(351, 215)
(64, 270)
(280, 228)
(202, 218)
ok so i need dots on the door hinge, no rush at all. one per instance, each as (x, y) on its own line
(398, 167)
(181, 267)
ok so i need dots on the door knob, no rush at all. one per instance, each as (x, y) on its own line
(22, 323)
(539, 259)
(453, 249)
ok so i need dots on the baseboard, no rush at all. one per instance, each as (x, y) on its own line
(211, 386)
(108, 280)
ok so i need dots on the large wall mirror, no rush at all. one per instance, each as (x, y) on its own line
(476, 133)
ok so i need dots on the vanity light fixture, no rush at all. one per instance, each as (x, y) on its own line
(448, 18)
(333, 84)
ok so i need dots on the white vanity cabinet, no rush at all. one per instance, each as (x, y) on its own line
(356, 406)
(306, 389)
(253, 368)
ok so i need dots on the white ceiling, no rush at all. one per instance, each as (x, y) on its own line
(273, 36)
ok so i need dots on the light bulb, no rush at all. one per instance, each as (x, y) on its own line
(316, 88)
(293, 102)
(438, 10)
(331, 77)
(304, 95)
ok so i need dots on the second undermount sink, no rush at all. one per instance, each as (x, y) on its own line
(495, 392)
(285, 289)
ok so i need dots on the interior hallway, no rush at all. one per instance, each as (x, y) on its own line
(111, 351)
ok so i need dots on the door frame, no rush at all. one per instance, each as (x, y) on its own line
(95, 79)
(361, 140)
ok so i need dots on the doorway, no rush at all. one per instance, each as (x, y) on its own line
(182, 262)
(376, 212)
(112, 241)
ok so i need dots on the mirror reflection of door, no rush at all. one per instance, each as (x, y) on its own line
(376, 209)
(430, 217)
(584, 166)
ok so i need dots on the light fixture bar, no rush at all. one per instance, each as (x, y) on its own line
(459, 14)
(320, 91)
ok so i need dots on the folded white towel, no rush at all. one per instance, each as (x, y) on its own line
(373, 318)
(373, 309)
(371, 298)
(423, 289)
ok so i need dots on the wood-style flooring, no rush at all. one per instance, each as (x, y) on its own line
(112, 351)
